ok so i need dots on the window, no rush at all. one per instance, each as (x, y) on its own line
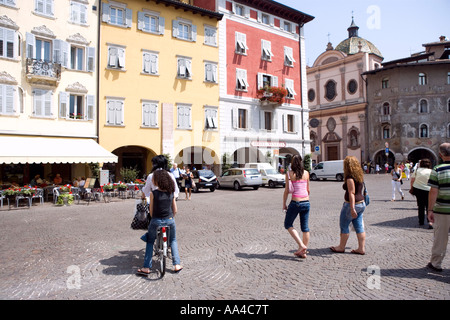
(116, 57)
(150, 62)
(114, 112)
(422, 79)
(423, 106)
(210, 72)
(151, 22)
(267, 120)
(289, 123)
(265, 18)
(386, 109)
(330, 90)
(267, 80)
(287, 26)
(239, 10)
(311, 95)
(210, 36)
(241, 43)
(184, 30)
(42, 103)
(43, 50)
(386, 133)
(77, 58)
(117, 14)
(44, 7)
(184, 70)
(211, 118)
(184, 116)
(7, 99)
(241, 80)
(289, 84)
(266, 50)
(78, 13)
(76, 106)
(352, 86)
(9, 3)
(385, 83)
(242, 118)
(150, 114)
(423, 131)
(448, 77)
(8, 43)
(288, 57)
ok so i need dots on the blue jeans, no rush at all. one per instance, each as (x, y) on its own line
(150, 238)
(297, 208)
(346, 218)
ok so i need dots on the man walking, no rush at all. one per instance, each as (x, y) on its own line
(439, 204)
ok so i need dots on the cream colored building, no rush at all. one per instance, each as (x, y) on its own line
(337, 98)
(48, 84)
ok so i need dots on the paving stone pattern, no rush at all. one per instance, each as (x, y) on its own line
(232, 245)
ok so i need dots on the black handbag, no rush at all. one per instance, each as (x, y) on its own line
(141, 219)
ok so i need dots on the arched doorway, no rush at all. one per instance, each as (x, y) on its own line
(136, 157)
(381, 159)
(285, 158)
(246, 155)
(417, 154)
(198, 157)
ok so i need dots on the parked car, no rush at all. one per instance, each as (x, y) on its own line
(204, 179)
(240, 177)
(269, 175)
(328, 170)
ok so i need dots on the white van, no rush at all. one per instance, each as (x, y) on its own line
(328, 170)
(269, 175)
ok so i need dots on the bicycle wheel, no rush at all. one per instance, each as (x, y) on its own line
(160, 256)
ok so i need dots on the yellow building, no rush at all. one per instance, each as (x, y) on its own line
(158, 83)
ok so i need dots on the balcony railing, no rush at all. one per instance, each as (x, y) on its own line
(38, 70)
(385, 118)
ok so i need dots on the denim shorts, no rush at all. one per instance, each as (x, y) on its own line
(297, 208)
(346, 218)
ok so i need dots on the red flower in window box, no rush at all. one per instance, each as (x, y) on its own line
(272, 94)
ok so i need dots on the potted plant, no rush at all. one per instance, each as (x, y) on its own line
(65, 199)
(10, 193)
(108, 187)
(65, 189)
(121, 186)
(272, 94)
(27, 192)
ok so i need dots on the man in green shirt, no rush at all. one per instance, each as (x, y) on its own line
(439, 204)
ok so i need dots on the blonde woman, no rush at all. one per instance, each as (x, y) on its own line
(353, 207)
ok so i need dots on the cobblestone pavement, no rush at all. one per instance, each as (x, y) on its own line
(232, 246)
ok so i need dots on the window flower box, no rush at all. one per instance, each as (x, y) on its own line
(272, 95)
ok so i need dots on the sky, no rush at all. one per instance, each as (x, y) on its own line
(397, 28)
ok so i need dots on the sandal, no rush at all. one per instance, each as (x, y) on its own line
(336, 251)
(143, 273)
(178, 270)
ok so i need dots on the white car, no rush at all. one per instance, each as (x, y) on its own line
(240, 177)
(272, 178)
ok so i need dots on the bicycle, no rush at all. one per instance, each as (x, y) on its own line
(161, 248)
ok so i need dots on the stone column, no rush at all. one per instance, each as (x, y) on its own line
(344, 120)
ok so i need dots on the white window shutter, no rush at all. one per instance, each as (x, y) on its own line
(274, 121)
(111, 110)
(119, 112)
(128, 17)
(105, 12)
(30, 45)
(90, 103)
(121, 53)
(10, 104)
(140, 24)
(153, 115)
(112, 58)
(83, 14)
(296, 123)
(175, 28)
(274, 81)
(285, 122)
(90, 59)
(194, 33)
(260, 80)
(57, 51)
(262, 122)
(146, 114)
(234, 117)
(63, 107)
(38, 102)
(48, 103)
(162, 23)
(146, 62)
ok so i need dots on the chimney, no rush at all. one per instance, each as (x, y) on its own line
(442, 38)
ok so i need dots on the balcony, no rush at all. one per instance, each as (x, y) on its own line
(385, 119)
(272, 95)
(43, 72)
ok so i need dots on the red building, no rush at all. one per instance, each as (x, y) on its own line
(261, 46)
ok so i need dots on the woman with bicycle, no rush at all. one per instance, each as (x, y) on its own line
(163, 209)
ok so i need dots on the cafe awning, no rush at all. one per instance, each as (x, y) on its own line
(52, 150)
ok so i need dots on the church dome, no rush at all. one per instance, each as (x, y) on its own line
(352, 44)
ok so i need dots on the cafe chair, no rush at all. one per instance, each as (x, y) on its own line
(55, 194)
(39, 194)
(22, 197)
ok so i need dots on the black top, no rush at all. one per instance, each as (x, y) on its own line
(359, 186)
(162, 204)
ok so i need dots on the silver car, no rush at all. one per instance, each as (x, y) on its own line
(240, 177)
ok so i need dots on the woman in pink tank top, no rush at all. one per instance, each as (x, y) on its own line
(298, 178)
